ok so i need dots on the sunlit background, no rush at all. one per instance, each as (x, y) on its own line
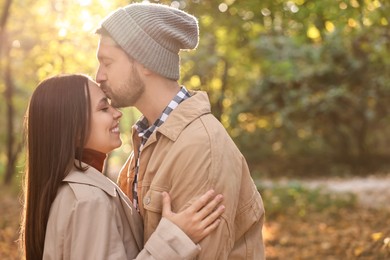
(302, 86)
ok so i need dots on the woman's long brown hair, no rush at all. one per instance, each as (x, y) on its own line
(56, 123)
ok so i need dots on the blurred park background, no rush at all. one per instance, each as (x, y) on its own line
(302, 86)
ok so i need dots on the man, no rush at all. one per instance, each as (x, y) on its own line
(179, 146)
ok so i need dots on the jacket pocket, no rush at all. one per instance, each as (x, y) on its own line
(152, 201)
(152, 204)
(249, 242)
(250, 214)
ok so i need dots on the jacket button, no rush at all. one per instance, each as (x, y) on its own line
(146, 200)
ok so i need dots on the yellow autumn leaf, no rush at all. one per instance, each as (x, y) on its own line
(358, 251)
(376, 236)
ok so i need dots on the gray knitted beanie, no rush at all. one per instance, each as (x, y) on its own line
(153, 34)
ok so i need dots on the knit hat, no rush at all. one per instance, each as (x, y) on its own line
(153, 34)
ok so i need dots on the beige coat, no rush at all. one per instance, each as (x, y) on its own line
(189, 154)
(92, 219)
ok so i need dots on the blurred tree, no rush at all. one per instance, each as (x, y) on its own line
(296, 78)
(325, 80)
(12, 146)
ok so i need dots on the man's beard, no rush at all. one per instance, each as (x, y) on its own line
(133, 89)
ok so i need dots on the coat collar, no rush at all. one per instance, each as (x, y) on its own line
(188, 110)
(92, 177)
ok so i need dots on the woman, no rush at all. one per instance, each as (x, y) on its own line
(71, 210)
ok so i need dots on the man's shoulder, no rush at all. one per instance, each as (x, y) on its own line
(207, 124)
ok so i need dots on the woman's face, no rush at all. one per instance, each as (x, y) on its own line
(104, 133)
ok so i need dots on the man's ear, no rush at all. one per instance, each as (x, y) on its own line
(146, 71)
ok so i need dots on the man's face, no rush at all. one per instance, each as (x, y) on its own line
(118, 75)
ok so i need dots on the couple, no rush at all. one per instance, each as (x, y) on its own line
(73, 212)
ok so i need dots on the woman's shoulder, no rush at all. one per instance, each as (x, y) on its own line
(78, 202)
(85, 192)
(90, 185)
(72, 195)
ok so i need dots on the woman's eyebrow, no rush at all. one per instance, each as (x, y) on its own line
(103, 101)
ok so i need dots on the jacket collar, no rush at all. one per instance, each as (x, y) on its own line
(91, 177)
(188, 110)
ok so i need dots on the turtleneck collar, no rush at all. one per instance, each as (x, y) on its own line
(94, 158)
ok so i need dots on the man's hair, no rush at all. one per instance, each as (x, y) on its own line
(102, 31)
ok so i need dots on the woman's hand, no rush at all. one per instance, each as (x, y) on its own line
(199, 219)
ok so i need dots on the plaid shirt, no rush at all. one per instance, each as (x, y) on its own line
(145, 131)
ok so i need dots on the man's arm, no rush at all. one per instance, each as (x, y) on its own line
(200, 165)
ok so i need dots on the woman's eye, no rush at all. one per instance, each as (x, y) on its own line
(105, 109)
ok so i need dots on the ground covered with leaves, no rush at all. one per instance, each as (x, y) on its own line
(300, 223)
(304, 223)
(10, 209)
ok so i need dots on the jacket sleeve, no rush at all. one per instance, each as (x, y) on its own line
(168, 242)
(200, 163)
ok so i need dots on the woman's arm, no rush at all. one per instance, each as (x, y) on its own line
(199, 219)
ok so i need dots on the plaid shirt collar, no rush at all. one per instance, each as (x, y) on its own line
(142, 127)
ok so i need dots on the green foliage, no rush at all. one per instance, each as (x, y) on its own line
(325, 92)
(296, 78)
(322, 86)
(295, 199)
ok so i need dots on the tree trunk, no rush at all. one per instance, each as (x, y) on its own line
(218, 108)
(3, 22)
(12, 149)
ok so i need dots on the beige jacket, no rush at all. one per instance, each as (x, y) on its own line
(189, 154)
(92, 219)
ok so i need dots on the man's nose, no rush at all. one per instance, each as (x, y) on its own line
(100, 75)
